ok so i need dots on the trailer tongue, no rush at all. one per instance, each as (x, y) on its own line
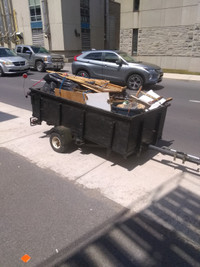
(176, 154)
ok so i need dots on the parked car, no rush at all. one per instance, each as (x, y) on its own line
(40, 58)
(11, 63)
(117, 67)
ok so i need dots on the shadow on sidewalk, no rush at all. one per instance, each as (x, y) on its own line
(164, 234)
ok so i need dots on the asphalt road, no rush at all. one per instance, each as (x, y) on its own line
(80, 207)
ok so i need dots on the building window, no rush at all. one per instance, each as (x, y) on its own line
(136, 5)
(85, 24)
(35, 10)
(135, 42)
(36, 22)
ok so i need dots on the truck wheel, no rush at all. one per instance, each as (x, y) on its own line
(134, 82)
(40, 66)
(60, 139)
(1, 72)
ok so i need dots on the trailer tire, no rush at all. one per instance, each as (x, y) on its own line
(60, 139)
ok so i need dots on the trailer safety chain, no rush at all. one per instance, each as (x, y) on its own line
(176, 154)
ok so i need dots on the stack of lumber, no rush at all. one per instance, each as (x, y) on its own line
(94, 85)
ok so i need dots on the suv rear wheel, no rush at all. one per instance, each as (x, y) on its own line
(134, 82)
(83, 73)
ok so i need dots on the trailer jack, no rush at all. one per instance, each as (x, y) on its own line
(176, 154)
(34, 121)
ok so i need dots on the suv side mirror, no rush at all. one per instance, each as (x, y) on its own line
(119, 62)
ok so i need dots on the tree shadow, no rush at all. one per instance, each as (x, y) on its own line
(164, 234)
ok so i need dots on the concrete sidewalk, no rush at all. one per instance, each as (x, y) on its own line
(176, 76)
(164, 193)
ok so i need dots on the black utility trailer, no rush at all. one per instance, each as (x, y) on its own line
(82, 123)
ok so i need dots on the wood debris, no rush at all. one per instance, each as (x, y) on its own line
(95, 85)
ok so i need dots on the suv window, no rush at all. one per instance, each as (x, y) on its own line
(94, 56)
(111, 57)
(19, 49)
(26, 49)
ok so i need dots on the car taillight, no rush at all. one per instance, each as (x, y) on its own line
(75, 57)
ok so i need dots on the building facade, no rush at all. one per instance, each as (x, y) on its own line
(163, 32)
(62, 26)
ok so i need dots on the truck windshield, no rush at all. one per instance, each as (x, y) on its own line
(6, 52)
(37, 50)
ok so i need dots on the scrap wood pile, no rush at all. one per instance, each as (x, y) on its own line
(82, 83)
(141, 102)
(101, 94)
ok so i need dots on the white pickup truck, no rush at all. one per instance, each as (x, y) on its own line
(40, 58)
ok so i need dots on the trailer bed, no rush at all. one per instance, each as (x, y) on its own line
(118, 133)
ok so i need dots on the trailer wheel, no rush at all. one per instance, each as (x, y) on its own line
(60, 139)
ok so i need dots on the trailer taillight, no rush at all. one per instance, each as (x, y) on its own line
(75, 57)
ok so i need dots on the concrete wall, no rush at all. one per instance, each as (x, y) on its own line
(23, 19)
(64, 19)
(56, 25)
(169, 32)
(71, 22)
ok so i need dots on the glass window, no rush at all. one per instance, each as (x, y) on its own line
(6, 52)
(35, 10)
(94, 56)
(135, 41)
(26, 49)
(31, 2)
(19, 49)
(136, 5)
(126, 57)
(38, 11)
(37, 49)
(111, 57)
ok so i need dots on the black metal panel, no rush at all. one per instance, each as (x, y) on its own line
(73, 117)
(99, 128)
(120, 137)
(153, 125)
(50, 111)
(35, 101)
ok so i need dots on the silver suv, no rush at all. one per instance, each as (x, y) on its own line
(117, 67)
(40, 58)
(11, 63)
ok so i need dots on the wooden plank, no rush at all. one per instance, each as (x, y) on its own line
(70, 95)
(93, 84)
